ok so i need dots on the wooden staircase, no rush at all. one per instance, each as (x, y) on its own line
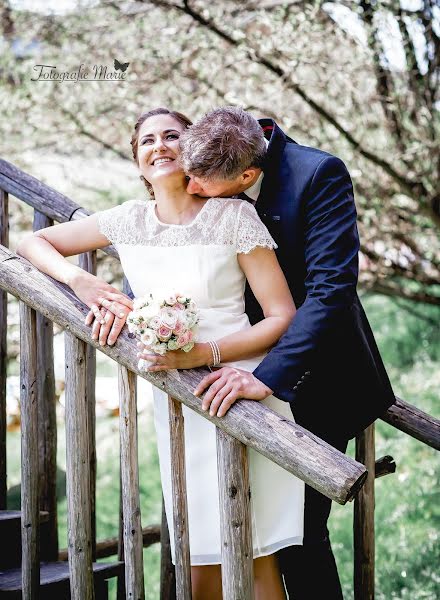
(54, 575)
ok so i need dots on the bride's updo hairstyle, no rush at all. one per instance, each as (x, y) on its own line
(179, 117)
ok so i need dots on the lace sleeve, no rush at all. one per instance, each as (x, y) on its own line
(113, 222)
(251, 231)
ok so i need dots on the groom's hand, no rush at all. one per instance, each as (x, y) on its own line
(227, 385)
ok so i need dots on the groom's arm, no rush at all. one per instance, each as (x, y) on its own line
(331, 255)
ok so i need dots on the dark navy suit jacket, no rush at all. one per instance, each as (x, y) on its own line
(327, 365)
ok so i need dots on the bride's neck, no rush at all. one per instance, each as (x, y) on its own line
(173, 203)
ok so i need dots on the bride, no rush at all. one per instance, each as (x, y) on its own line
(205, 249)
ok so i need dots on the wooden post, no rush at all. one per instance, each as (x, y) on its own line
(167, 571)
(30, 517)
(235, 518)
(180, 504)
(87, 261)
(47, 422)
(133, 546)
(364, 520)
(78, 474)
(4, 241)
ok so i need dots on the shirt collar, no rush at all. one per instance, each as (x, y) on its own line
(254, 191)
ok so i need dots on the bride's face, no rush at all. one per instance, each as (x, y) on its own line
(158, 148)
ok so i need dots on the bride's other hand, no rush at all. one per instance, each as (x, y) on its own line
(95, 293)
(106, 328)
(228, 384)
(199, 356)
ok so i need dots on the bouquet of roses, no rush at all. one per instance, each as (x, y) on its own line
(164, 325)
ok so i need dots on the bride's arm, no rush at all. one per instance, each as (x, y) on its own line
(270, 288)
(47, 249)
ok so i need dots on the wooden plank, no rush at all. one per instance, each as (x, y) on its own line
(78, 476)
(87, 261)
(167, 570)
(54, 573)
(109, 546)
(180, 503)
(235, 518)
(414, 422)
(384, 466)
(364, 552)
(4, 241)
(287, 444)
(30, 517)
(134, 569)
(47, 423)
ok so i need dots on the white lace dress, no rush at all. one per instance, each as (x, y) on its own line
(199, 259)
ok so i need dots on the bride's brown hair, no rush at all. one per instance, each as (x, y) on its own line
(179, 117)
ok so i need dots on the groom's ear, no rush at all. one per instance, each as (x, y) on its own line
(250, 175)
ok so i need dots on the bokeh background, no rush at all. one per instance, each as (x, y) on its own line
(359, 79)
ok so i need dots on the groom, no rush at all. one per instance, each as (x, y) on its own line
(327, 365)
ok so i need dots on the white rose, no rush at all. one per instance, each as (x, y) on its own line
(188, 347)
(149, 337)
(168, 317)
(160, 348)
(173, 345)
(171, 300)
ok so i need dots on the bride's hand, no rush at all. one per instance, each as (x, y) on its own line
(199, 356)
(96, 293)
(106, 328)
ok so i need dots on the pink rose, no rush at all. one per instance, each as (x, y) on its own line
(179, 327)
(184, 338)
(164, 333)
(179, 306)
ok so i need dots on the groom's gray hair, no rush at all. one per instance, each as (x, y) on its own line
(222, 144)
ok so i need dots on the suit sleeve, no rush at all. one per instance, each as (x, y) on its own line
(331, 256)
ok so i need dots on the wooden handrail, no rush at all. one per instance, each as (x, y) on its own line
(53, 204)
(292, 447)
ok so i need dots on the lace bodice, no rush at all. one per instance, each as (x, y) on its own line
(221, 222)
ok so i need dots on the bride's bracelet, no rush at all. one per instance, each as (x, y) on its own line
(215, 353)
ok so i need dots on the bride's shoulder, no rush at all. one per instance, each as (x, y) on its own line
(231, 206)
(118, 222)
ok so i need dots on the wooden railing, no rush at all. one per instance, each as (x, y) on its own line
(246, 424)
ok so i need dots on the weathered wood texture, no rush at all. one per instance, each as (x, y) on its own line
(384, 466)
(167, 571)
(363, 524)
(4, 241)
(87, 261)
(42, 197)
(134, 569)
(180, 502)
(30, 518)
(47, 423)
(235, 518)
(414, 422)
(109, 547)
(77, 467)
(286, 443)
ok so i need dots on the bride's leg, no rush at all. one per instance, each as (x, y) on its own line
(267, 579)
(206, 582)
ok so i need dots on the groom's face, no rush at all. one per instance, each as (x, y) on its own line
(214, 188)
